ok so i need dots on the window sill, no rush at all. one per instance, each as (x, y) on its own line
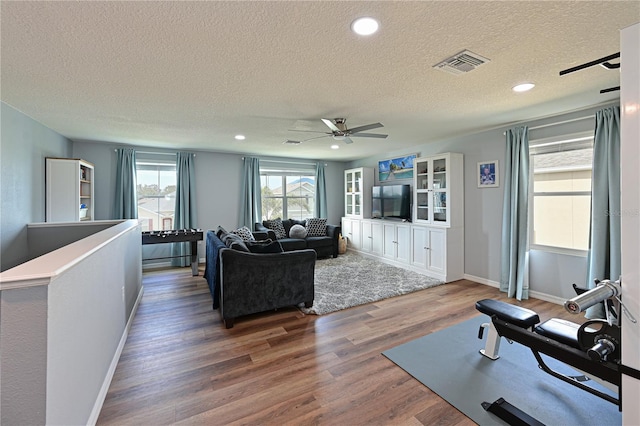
(559, 250)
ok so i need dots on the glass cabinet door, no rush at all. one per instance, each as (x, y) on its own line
(349, 180)
(422, 211)
(439, 206)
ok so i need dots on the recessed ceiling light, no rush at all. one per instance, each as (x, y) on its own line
(523, 87)
(239, 137)
(364, 26)
(335, 146)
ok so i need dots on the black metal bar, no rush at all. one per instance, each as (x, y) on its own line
(510, 414)
(590, 64)
(611, 89)
(573, 381)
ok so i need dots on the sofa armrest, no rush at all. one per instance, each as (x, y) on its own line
(333, 231)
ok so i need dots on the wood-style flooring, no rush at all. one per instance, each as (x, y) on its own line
(180, 365)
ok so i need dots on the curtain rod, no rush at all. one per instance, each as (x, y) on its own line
(557, 123)
(154, 153)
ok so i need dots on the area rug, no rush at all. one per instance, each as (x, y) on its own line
(448, 363)
(352, 279)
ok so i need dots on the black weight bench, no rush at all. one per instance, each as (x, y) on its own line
(556, 329)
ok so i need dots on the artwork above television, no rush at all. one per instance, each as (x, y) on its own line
(391, 202)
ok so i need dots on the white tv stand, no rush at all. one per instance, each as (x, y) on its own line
(430, 250)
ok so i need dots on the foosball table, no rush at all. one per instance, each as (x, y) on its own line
(191, 236)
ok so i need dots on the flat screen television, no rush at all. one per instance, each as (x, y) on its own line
(391, 202)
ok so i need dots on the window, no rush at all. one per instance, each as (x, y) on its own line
(561, 193)
(156, 194)
(287, 193)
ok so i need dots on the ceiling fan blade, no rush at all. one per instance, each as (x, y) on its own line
(317, 137)
(330, 124)
(347, 140)
(309, 131)
(366, 127)
(369, 135)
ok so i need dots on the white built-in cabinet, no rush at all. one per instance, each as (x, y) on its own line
(433, 243)
(431, 250)
(372, 236)
(438, 190)
(351, 230)
(69, 195)
(357, 192)
(396, 243)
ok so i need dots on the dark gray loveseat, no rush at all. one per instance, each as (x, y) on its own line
(324, 246)
(243, 283)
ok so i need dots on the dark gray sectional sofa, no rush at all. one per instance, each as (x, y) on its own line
(244, 282)
(324, 246)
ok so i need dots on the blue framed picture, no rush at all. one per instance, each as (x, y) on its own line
(488, 174)
(397, 168)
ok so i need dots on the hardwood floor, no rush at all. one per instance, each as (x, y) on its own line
(180, 365)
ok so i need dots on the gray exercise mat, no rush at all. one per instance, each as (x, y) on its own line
(448, 363)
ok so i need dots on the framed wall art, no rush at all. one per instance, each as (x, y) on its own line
(488, 174)
(397, 168)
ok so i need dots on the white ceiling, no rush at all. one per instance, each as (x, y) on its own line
(191, 75)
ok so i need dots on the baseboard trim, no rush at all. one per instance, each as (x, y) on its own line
(97, 407)
(481, 280)
(534, 294)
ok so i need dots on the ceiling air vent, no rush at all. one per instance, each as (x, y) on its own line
(291, 142)
(461, 63)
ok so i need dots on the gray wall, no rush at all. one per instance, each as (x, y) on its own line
(551, 274)
(218, 185)
(24, 145)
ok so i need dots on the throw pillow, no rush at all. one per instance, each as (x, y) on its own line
(277, 227)
(244, 233)
(316, 227)
(263, 247)
(298, 231)
(231, 239)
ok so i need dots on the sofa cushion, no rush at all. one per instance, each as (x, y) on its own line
(266, 246)
(316, 242)
(244, 233)
(290, 244)
(298, 231)
(316, 227)
(277, 227)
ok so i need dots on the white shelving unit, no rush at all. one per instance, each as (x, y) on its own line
(433, 243)
(69, 185)
(357, 192)
(438, 190)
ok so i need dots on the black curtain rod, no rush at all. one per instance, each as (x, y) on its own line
(611, 89)
(590, 64)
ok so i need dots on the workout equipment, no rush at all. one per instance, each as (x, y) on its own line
(593, 348)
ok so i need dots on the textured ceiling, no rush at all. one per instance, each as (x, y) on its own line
(191, 75)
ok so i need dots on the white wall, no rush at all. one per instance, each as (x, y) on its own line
(218, 185)
(630, 216)
(63, 323)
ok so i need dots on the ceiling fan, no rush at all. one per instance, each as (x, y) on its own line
(339, 131)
